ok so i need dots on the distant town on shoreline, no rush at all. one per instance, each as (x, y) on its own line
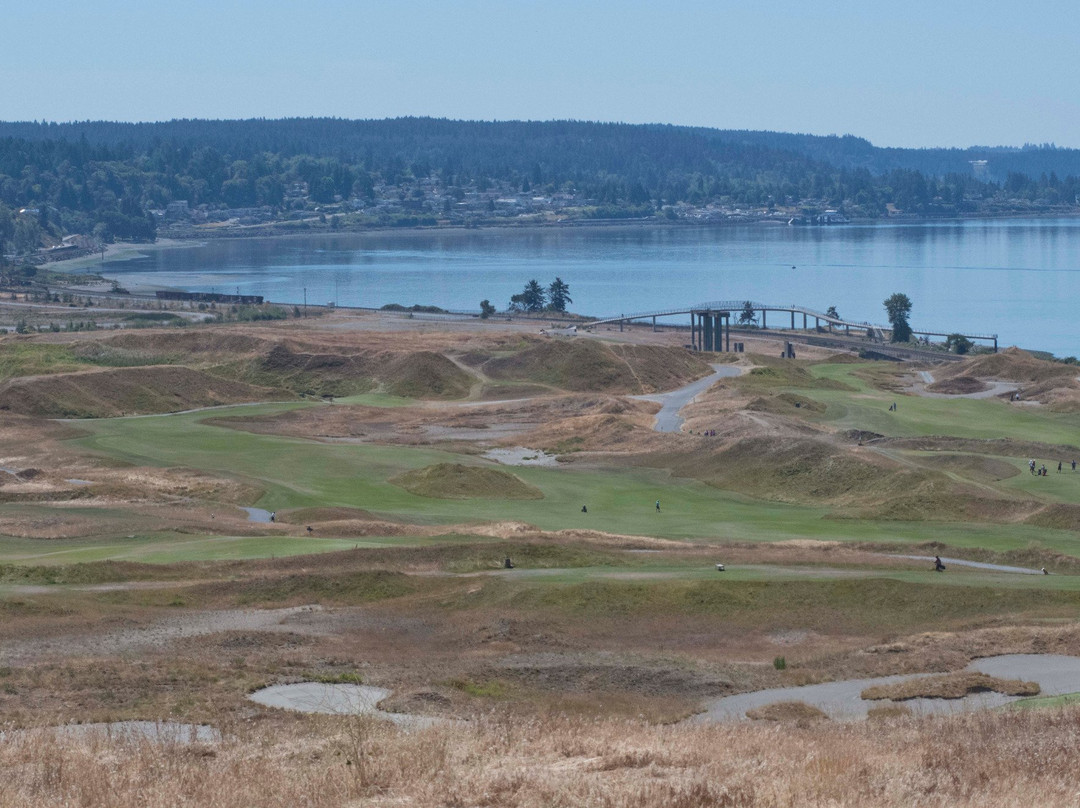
(69, 189)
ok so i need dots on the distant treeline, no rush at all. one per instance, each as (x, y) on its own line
(105, 177)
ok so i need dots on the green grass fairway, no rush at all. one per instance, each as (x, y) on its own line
(915, 416)
(300, 473)
(1043, 702)
(920, 574)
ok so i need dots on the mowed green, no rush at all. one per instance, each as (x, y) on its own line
(296, 473)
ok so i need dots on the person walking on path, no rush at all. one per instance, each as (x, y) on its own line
(1074, 465)
(658, 506)
(1059, 467)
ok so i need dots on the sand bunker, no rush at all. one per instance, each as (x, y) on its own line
(520, 456)
(258, 515)
(335, 699)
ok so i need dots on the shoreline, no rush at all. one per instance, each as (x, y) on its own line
(126, 251)
(117, 251)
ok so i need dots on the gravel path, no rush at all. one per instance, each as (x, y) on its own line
(179, 627)
(842, 701)
(961, 562)
(668, 419)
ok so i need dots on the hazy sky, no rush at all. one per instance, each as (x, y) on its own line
(911, 73)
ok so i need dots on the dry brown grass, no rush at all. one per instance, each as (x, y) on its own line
(1012, 364)
(125, 391)
(976, 760)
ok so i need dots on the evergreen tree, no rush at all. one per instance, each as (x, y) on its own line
(534, 296)
(558, 295)
(898, 307)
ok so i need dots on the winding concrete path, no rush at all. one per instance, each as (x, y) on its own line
(673, 401)
(961, 562)
(842, 701)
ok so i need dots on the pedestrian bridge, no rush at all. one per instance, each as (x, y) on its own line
(708, 315)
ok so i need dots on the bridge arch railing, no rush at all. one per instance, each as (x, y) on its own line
(740, 305)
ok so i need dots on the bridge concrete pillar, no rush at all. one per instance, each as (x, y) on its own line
(727, 332)
(693, 332)
(847, 329)
(995, 344)
(804, 321)
(763, 326)
(817, 323)
(793, 320)
(718, 333)
(654, 323)
(707, 341)
(621, 322)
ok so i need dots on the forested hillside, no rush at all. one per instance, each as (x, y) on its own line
(117, 180)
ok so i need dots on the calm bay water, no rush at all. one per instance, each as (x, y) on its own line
(1018, 278)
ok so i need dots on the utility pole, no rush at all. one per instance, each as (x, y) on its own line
(305, 301)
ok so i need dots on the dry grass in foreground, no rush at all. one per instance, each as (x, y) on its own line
(980, 759)
(950, 686)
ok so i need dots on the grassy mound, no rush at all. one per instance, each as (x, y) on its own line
(950, 686)
(112, 393)
(189, 343)
(805, 469)
(959, 386)
(974, 467)
(424, 374)
(1012, 364)
(457, 481)
(591, 366)
(417, 374)
(771, 374)
(1058, 516)
(797, 711)
(786, 404)
(305, 516)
